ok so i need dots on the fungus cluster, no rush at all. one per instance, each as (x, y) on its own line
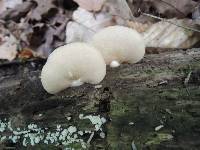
(77, 63)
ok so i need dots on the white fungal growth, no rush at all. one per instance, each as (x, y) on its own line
(72, 65)
(158, 127)
(114, 64)
(119, 44)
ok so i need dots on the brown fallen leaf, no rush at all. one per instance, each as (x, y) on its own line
(26, 53)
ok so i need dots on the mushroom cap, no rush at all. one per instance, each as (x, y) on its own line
(119, 44)
(72, 65)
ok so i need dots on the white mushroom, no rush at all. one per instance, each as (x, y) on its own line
(72, 65)
(119, 44)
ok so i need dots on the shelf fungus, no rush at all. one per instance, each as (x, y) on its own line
(119, 44)
(72, 65)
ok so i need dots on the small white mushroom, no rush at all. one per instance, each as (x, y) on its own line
(119, 44)
(72, 65)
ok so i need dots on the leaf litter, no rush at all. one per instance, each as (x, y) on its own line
(40, 26)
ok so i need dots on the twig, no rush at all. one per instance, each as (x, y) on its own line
(186, 82)
(171, 22)
(85, 26)
(187, 78)
(90, 138)
(133, 146)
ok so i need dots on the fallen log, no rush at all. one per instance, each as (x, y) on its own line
(154, 104)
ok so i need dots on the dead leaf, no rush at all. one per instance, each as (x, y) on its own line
(140, 27)
(44, 7)
(54, 35)
(166, 35)
(8, 45)
(91, 5)
(41, 37)
(170, 8)
(119, 8)
(17, 12)
(26, 53)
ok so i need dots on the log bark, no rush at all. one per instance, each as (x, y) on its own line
(163, 89)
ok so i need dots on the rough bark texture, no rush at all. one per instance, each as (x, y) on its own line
(163, 89)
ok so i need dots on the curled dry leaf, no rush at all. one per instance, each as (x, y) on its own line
(166, 35)
(91, 5)
(8, 45)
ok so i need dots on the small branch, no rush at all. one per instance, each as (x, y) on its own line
(90, 138)
(165, 20)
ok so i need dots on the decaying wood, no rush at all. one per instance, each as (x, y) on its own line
(134, 98)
